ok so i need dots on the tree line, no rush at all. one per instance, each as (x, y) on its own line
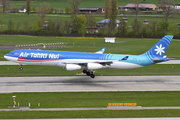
(79, 22)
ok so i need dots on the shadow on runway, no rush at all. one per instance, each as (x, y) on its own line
(81, 80)
(63, 81)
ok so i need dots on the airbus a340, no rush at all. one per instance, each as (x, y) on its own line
(91, 61)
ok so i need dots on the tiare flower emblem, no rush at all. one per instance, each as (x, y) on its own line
(159, 49)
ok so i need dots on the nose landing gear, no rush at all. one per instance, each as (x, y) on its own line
(21, 68)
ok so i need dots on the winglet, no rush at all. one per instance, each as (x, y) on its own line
(101, 51)
(125, 58)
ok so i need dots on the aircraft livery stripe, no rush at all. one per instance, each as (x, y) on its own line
(37, 60)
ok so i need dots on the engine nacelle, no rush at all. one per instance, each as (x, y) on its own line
(73, 67)
(92, 66)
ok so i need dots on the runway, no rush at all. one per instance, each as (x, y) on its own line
(86, 84)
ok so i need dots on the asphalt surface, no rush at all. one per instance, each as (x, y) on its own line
(85, 83)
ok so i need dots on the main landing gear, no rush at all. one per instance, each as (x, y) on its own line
(20, 68)
(89, 73)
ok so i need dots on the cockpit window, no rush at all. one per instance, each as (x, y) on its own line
(13, 53)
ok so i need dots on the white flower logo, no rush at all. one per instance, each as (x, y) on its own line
(159, 49)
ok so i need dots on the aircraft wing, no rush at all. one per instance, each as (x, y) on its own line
(95, 61)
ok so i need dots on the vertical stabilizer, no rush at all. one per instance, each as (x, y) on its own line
(160, 48)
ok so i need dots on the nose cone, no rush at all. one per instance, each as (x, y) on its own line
(6, 57)
(11, 58)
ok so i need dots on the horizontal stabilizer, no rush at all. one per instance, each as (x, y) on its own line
(156, 60)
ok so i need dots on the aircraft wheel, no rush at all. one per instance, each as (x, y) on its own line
(88, 73)
(84, 71)
(92, 76)
(21, 68)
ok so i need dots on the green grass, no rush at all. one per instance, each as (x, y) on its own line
(91, 99)
(32, 70)
(19, 19)
(89, 114)
(61, 4)
(32, 19)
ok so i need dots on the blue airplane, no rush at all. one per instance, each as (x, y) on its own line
(91, 61)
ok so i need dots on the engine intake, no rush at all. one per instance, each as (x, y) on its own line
(92, 66)
(73, 67)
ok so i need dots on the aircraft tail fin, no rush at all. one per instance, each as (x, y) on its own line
(158, 51)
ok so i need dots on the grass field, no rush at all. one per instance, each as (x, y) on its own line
(32, 18)
(61, 4)
(91, 99)
(31, 70)
(89, 114)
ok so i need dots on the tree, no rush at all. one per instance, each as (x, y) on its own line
(79, 24)
(145, 30)
(66, 27)
(54, 26)
(162, 28)
(111, 13)
(43, 9)
(10, 25)
(26, 26)
(136, 6)
(144, 1)
(28, 6)
(90, 20)
(68, 10)
(18, 26)
(153, 27)
(122, 29)
(167, 7)
(107, 9)
(75, 6)
(5, 4)
(136, 25)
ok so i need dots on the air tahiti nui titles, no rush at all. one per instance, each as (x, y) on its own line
(39, 55)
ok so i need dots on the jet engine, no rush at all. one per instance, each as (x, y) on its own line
(73, 67)
(92, 66)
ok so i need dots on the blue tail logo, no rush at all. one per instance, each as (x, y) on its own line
(160, 48)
